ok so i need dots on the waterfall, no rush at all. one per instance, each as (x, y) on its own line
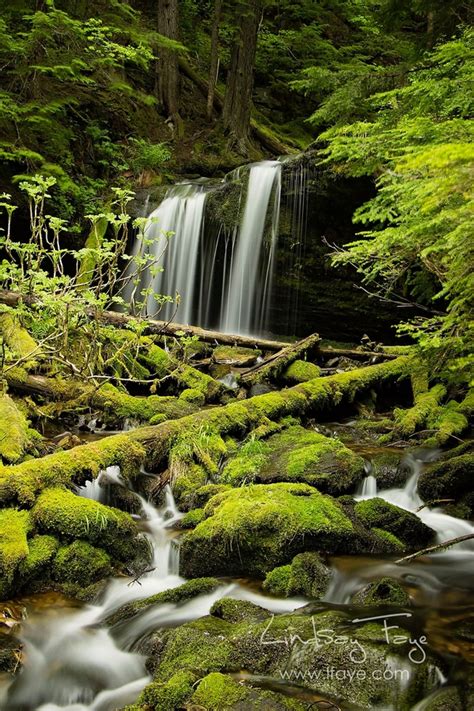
(248, 291)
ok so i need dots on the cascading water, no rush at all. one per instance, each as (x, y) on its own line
(73, 662)
(225, 275)
(246, 301)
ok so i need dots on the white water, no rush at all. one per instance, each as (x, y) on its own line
(449, 568)
(75, 664)
(243, 310)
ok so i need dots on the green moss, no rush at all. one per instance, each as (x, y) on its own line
(254, 529)
(202, 495)
(81, 564)
(194, 396)
(14, 435)
(245, 466)
(302, 455)
(41, 551)
(14, 528)
(392, 541)
(118, 405)
(236, 355)
(23, 481)
(301, 371)
(447, 479)
(68, 516)
(185, 483)
(407, 422)
(18, 340)
(307, 575)
(217, 692)
(238, 610)
(406, 526)
(170, 695)
(385, 592)
(189, 589)
(192, 518)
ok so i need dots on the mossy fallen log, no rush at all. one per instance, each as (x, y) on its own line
(274, 366)
(14, 431)
(17, 339)
(24, 481)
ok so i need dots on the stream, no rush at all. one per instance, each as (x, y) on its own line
(74, 661)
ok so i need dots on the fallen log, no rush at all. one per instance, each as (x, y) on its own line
(150, 445)
(274, 366)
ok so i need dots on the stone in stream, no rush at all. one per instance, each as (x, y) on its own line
(359, 661)
(377, 513)
(385, 592)
(251, 530)
(307, 575)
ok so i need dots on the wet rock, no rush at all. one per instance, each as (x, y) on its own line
(254, 529)
(446, 699)
(300, 371)
(448, 479)
(388, 469)
(307, 575)
(260, 389)
(219, 692)
(406, 526)
(386, 591)
(238, 611)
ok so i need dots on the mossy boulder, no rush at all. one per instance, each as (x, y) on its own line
(385, 592)
(81, 564)
(449, 479)
(170, 695)
(196, 397)
(63, 514)
(14, 528)
(238, 610)
(302, 455)
(37, 564)
(253, 529)
(388, 469)
(300, 371)
(307, 575)
(192, 518)
(236, 356)
(406, 526)
(188, 480)
(245, 466)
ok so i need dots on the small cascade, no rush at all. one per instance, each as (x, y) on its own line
(249, 288)
(368, 489)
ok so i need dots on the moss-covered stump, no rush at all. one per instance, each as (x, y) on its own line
(63, 514)
(307, 575)
(406, 526)
(14, 528)
(14, 436)
(301, 455)
(451, 479)
(236, 356)
(299, 648)
(300, 372)
(254, 529)
(187, 591)
(386, 592)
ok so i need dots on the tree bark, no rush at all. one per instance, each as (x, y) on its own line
(168, 67)
(214, 58)
(273, 367)
(240, 78)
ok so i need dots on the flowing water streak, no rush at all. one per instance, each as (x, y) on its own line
(249, 286)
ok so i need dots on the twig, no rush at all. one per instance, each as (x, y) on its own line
(437, 547)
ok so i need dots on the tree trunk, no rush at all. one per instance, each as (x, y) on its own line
(214, 58)
(240, 78)
(274, 366)
(168, 69)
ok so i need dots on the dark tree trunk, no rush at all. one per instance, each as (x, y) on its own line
(240, 78)
(214, 58)
(168, 70)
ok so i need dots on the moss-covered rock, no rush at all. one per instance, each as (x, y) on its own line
(186, 482)
(236, 355)
(238, 610)
(307, 575)
(189, 589)
(14, 528)
(245, 466)
(406, 526)
(300, 371)
(192, 518)
(254, 529)
(63, 514)
(383, 592)
(81, 564)
(388, 469)
(298, 454)
(14, 435)
(219, 692)
(170, 695)
(448, 479)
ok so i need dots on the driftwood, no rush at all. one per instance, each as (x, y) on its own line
(433, 549)
(273, 366)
